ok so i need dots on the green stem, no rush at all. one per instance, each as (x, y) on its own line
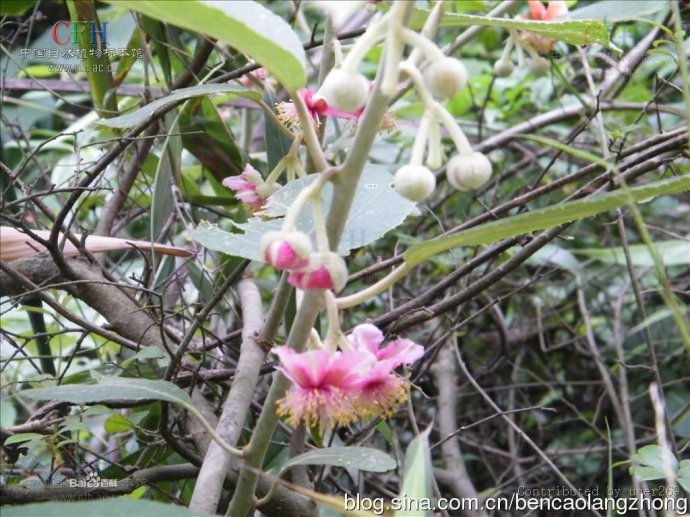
(394, 49)
(387, 282)
(428, 47)
(344, 187)
(420, 140)
(364, 44)
(100, 79)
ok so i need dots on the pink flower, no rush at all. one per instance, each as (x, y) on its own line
(368, 337)
(336, 388)
(259, 74)
(538, 12)
(323, 382)
(316, 106)
(380, 391)
(250, 188)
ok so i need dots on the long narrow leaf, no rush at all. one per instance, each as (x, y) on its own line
(545, 218)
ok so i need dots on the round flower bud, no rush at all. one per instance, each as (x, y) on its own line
(415, 182)
(344, 91)
(503, 67)
(286, 250)
(445, 77)
(326, 270)
(539, 65)
(468, 172)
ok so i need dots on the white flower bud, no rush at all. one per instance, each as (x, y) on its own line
(445, 77)
(503, 67)
(344, 91)
(415, 182)
(468, 172)
(539, 65)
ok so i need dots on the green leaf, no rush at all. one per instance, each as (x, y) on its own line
(684, 475)
(610, 10)
(277, 142)
(112, 388)
(658, 316)
(164, 103)
(117, 424)
(575, 32)
(24, 437)
(112, 507)
(15, 7)
(162, 203)
(646, 473)
(573, 151)
(417, 476)
(376, 209)
(247, 26)
(652, 460)
(362, 458)
(673, 252)
(545, 218)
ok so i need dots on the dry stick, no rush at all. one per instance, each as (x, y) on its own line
(601, 131)
(513, 445)
(518, 430)
(447, 382)
(216, 461)
(642, 314)
(629, 428)
(596, 355)
(114, 204)
(131, 324)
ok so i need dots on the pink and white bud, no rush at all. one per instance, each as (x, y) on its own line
(414, 182)
(344, 91)
(445, 77)
(468, 172)
(326, 270)
(286, 250)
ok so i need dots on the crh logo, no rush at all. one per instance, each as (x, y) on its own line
(65, 32)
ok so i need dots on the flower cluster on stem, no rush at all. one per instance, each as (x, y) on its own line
(345, 379)
(533, 44)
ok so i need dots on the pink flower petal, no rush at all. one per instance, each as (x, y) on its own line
(316, 279)
(306, 369)
(537, 11)
(366, 336)
(555, 10)
(401, 351)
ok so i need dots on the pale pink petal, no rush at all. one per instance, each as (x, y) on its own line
(366, 336)
(236, 183)
(346, 369)
(305, 369)
(555, 10)
(248, 196)
(537, 11)
(401, 351)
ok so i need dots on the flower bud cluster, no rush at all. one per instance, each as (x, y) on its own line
(442, 78)
(293, 251)
(535, 45)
